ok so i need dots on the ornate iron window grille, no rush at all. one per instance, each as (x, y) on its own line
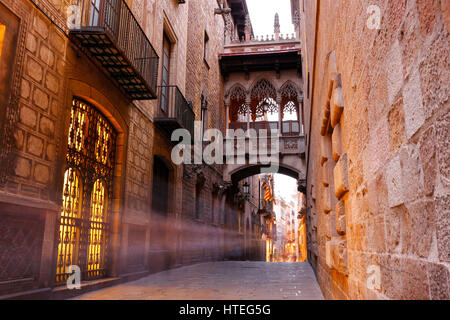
(84, 224)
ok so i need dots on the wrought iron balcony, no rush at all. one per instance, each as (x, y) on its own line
(174, 112)
(111, 35)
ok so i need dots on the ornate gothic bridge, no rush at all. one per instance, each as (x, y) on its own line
(264, 92)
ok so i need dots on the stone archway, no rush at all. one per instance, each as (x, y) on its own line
(238, 173)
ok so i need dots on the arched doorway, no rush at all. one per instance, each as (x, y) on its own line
(84, 226)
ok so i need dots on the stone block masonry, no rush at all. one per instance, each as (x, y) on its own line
(390, 144)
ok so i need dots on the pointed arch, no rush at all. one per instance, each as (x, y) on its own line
(262, 89)
(289, 93)
(289, 89)
(238, 101)
(263, 98)
(237, 91)
(87, 192)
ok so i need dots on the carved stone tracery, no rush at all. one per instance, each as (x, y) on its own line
(263, 89)
(238, 104)
(262, 99)
(289, 98)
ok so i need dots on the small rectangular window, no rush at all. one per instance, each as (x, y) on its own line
(308, 86)
(206, 48)
(9, 32)
(2, 38)
(204, 120)
(95, 13)
(204, 115)
(165, 79)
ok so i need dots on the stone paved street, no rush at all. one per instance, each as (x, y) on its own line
(221, 281)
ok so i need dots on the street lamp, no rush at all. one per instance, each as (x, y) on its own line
(246, 189)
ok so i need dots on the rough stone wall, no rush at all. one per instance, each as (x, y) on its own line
(203, 78)
(29, 148)
(157, 17)
(50, 71)
(145, 140)
(138, 183)
(386, 143)
(41, 94)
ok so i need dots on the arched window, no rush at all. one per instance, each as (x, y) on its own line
(96, 254)
(263, 98)
(238, 105)
(289, 100)
(290, 109)
(69, 228)
(87, 191)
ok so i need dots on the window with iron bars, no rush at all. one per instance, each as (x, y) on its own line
(87, 191)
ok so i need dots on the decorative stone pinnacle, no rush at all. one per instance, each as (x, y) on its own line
(277, 24)
(296, 19)
(248, 28)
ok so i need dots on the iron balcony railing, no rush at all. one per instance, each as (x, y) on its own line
(173, 108)
(112, 35)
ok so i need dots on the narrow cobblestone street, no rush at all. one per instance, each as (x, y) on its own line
(220, 281)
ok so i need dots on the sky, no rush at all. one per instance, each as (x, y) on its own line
(262, 15)
(285, 186)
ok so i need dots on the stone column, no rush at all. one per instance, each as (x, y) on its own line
(227, 108)
(280, 114)
(296, 22)
(249, 110)
(248, 122)
(228, 29)
(248, 29)
(300, 114)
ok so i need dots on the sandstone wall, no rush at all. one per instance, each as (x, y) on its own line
(378, 148)
(204, 80)
(48, 71)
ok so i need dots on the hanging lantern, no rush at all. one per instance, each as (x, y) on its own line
(246, 188)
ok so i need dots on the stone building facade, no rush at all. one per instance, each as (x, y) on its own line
(377, 117)
(86, 118)
(86, 170)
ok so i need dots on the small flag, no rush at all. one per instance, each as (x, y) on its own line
(267, 195)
